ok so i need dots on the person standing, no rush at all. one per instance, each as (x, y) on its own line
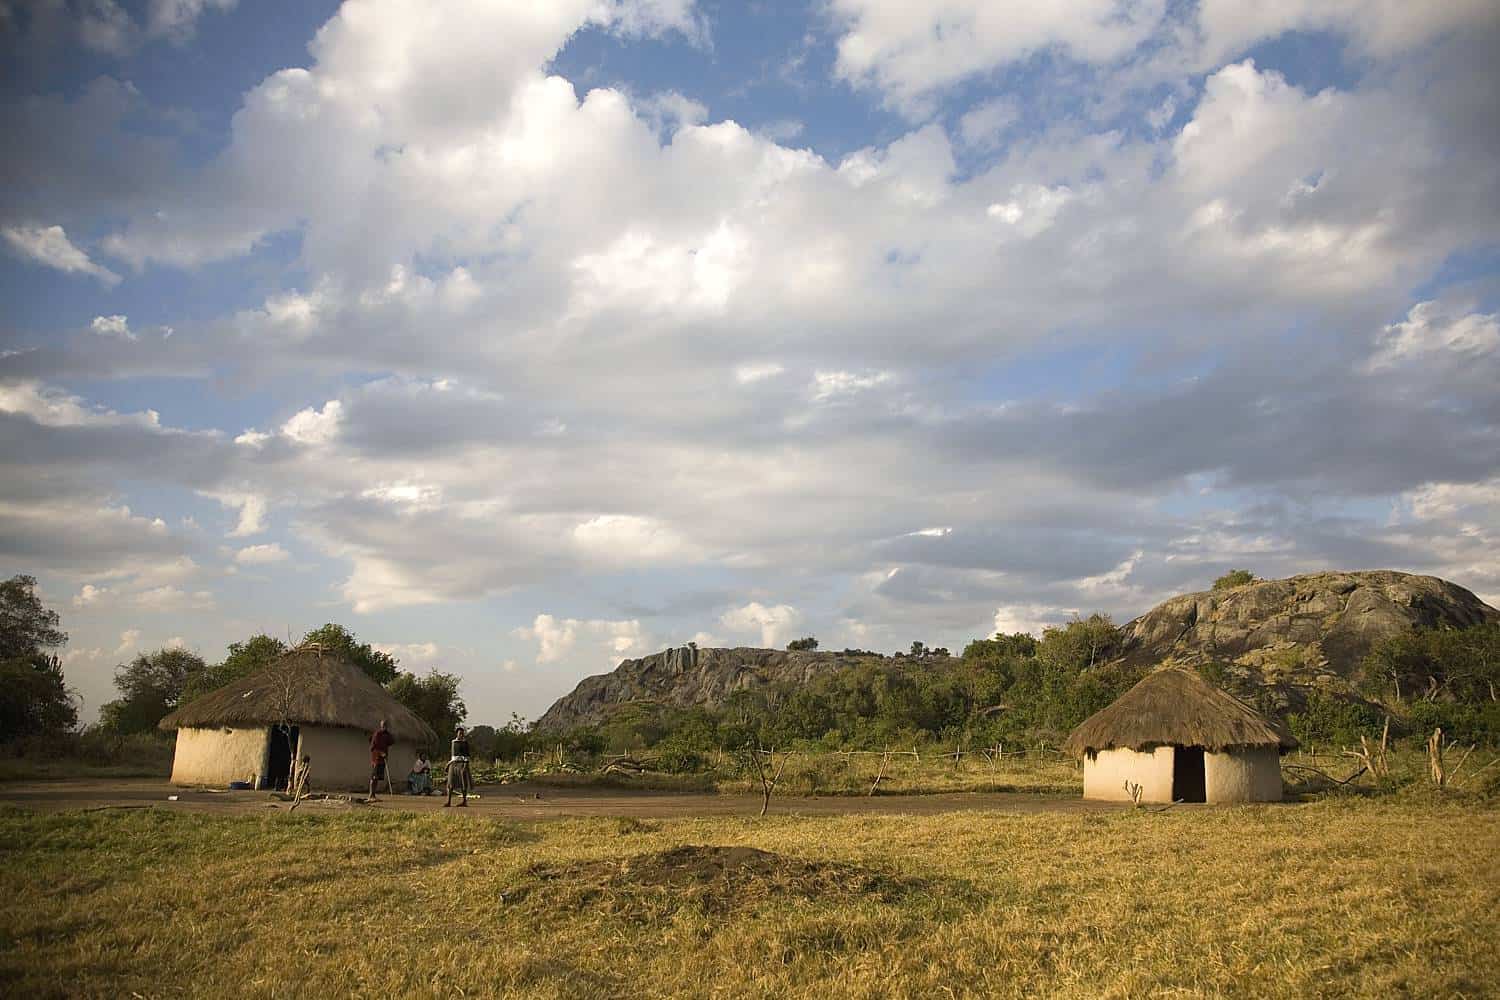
(458, 767)
(380, 749)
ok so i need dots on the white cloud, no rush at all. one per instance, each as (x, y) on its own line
(628, 539)
(50, 246)
(261, 555)
(558, 638)
(410, 652)
(177, 20)
(252, 508)
(910, 50)
(670, 111)
(104, 26)
(1435, 334)
(828, 386)
(314, 427)
(112, 326)
(982, 126)
(412, 496)
(169, 598)
(757, 372)
(130, 640)
(774, 623)
(89, 595)
(1032, 619)
(1379, 27)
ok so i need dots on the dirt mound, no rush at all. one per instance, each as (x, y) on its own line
(708, 879)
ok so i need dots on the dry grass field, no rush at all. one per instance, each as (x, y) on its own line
(1350, 897)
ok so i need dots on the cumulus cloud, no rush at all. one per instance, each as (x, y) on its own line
(50, 247)
(112, 326)
(314, 427)
(130, 640)
(261, 555)
(774, 623)
(1434, 334)
(559, 639)
(910, 50)
(969, 374)
(410, 652)
(177, 20)
(629, 539)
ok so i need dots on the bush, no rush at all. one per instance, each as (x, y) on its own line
(1330, 719)
(1464, 723)
(799, 645)
(1234, 578)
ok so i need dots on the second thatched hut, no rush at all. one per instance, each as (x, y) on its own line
(1178, 738)
(310, 702)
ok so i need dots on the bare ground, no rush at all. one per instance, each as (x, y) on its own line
(525, 802)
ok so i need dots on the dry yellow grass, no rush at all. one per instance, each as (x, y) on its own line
(1354, 897)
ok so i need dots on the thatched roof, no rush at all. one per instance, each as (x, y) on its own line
(1175, 707)
(318, 689)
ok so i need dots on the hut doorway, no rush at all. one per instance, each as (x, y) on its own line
(1188, 784)
(282, 742)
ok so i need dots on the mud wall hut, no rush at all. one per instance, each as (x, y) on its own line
(1181, 740)
(309, 703)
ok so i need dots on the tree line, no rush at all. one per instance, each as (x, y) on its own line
(1016, 689)
(36, 705)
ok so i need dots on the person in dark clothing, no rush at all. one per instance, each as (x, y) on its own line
(380, 749)
(458, 767)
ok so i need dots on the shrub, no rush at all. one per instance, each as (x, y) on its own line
(1465, 723)
(1330, 719)
(1234, 578)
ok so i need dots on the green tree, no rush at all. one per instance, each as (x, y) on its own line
(434, 699)
(1436, 664)
(244, 658)
(381, 666)
(34, 698)
(26, 626)
(807, 644)
(151, 685)
(1234, 578)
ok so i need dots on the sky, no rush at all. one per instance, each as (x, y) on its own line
(520, 338)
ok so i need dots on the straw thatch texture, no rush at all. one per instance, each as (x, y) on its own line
(1174, 707)
(316, 688)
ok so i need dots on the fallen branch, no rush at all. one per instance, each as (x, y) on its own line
(94, 809)
(1324, 774)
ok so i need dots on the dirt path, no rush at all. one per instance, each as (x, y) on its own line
(529, 802)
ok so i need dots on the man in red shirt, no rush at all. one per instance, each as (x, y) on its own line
(380, 747)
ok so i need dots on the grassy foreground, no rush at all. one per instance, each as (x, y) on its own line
(1349, 897)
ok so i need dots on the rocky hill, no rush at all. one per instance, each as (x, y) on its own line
(1279, 637)
(685, 676)
(1303, 631)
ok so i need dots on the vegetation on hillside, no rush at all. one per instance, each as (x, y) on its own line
(1018, 690)
(1012, 688)
(1234, 578)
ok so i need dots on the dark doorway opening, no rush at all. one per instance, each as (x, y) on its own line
(279, 763)
(1187, 775)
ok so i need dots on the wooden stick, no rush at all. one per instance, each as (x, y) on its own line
(879, 774)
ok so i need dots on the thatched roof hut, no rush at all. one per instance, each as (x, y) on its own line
(1175, 707)
(234, 734)
(1178, 738)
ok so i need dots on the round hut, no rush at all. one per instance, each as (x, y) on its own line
(1180, 739)
(308, 703)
